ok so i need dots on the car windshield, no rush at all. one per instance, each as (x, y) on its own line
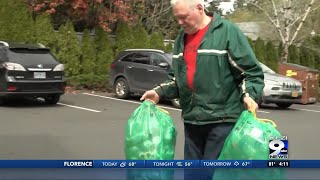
(266, 69)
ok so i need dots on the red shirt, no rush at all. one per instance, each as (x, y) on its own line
(192, 44)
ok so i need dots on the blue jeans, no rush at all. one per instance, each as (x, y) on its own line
(204, 142)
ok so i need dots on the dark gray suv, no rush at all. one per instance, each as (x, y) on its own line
(135, 71)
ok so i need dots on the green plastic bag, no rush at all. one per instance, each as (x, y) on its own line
(249, 140)
(150, 135)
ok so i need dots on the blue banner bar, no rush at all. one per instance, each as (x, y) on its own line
(153, 164)
(119, 164)
(172, 164)
(226, 164)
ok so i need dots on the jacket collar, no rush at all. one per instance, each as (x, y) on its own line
(217, 21)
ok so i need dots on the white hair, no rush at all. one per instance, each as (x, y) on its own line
(191, 3)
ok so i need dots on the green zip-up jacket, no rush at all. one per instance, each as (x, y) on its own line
(226, 71)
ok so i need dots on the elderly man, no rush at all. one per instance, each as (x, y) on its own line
(216, 76)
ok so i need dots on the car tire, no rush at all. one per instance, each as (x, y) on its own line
(121, 88)
(176, 103)
(54, 99)
(283, 105)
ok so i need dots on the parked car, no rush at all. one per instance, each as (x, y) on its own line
(281, 90)
(135, 71)
(138, 70)
(30, 70)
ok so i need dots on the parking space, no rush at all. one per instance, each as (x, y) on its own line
(92, 126)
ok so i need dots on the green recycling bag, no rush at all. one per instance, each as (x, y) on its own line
(249, 140)
(150, 135)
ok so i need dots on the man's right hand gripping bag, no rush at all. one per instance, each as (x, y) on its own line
(150, 135)
(249, 140)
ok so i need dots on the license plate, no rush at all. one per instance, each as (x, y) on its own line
(39, 75)
(294, 94)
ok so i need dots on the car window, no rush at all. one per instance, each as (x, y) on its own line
(128, 58)
(156, 59)
(142, 58)
(23, 56)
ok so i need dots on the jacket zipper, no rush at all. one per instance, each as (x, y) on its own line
(192, 92)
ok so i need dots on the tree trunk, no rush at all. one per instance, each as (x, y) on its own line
(285, 53)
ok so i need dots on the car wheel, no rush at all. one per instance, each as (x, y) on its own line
(176, 103)
(121, 88)
(283, 105)
(52, 99)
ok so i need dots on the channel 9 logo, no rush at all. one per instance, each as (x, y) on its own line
(278, 148)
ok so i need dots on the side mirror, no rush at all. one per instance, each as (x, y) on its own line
(164, 65)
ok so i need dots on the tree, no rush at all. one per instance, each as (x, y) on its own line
(68, 51)
(140, 37)
(16, 21)
(213, 6)
(169, 48)
(311, 62)
(271, 56)
(156, 41)
(43, 32)
(284, 16)
(251, 43)
(293, 55)
(157, 16)
(88, 54)
(317, 62)
(304, 56)
(124, 38)
(104, 52)
(280, 49)
(260, 50)
(87, 13)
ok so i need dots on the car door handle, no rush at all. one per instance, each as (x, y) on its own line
(150, 70)
(129, 67)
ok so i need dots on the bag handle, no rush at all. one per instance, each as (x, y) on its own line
(163, 110)
(157, 106)
(261, 120)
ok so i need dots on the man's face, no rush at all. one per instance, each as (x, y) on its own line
(188, 17)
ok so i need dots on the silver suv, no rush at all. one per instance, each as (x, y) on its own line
(281, 90)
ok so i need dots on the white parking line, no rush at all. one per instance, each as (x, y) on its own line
(78, 107)
(310, 110)
(106, 97)
(266, 112)
(175, 109)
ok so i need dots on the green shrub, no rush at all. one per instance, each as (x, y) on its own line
(90, 82)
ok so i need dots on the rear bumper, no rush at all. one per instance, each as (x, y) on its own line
(32, 88)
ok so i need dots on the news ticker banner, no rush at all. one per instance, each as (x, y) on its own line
(186, 164)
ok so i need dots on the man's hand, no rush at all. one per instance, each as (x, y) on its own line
(151, 95)
(250, 104)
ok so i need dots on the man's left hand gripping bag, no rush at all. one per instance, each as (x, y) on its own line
(150, 134)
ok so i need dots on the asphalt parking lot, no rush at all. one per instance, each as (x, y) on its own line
(87, 125)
